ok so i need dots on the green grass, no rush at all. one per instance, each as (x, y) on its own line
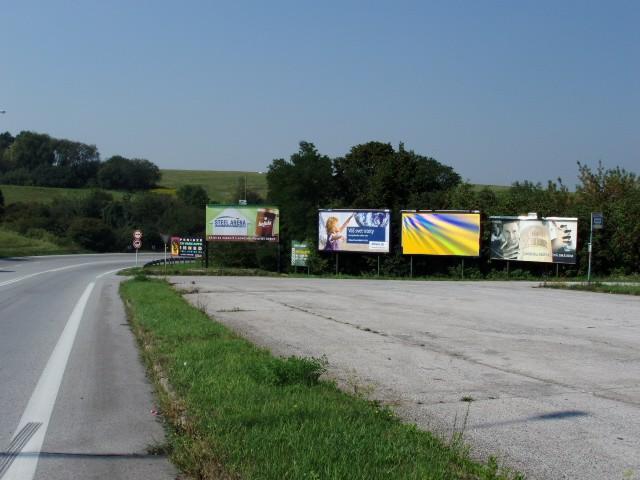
(220, 185)
(235, 411)
(13, 244)
(597, 287)
(18, 193)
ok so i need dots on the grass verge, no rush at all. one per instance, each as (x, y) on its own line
(13, 244)
(235, 411)
(597, 287)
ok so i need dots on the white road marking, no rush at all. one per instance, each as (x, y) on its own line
(59, 269)
(44, 396)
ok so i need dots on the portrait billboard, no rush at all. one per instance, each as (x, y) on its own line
(354, 231)
(242, 223)
(529, 239)
(441, 233)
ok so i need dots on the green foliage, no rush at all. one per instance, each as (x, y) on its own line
(289, 371)
(300, 186)
(38, 159)
(193, 195)
(120, 173)
(35, 242)
(92, 234)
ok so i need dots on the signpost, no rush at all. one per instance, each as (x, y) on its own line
(137, 242)
(597, 223)
(165, 240)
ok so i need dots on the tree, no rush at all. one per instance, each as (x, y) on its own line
(79, 160)
(6, 139)
(299, 187)
(92, 234)
(30, 150)
(193, 195)
(122, 173)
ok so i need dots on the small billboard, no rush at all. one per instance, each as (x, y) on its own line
(354, 230)
(299, 254)
(238, 223)
(427, 232)
(186, 247)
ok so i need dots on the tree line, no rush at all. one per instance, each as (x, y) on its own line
(370, 175)
(375, 175)
(38, 159)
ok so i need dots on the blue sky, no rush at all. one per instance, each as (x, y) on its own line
(501, 91)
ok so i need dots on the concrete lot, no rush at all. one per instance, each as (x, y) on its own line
(554, 375)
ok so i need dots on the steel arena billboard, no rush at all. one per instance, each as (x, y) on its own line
(240, 223)
(441, 233)
(550, 239)
(354, 230)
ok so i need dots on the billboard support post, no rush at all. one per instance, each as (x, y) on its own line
(165, 258)
(462, 269)
(590, 248)
(507, 268)
(336, 264)
(378, 265)
(278, 255)
(557, 270)
(410, 266)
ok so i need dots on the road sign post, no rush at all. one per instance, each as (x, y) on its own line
(137, 242)
(597, 223)
(165, 239)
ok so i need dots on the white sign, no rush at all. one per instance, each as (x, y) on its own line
(137, 244)
(137, 234)
(232, 222)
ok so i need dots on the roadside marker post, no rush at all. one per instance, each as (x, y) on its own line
(597, 223)
(165, 239)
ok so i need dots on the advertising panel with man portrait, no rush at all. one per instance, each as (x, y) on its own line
(550, 239)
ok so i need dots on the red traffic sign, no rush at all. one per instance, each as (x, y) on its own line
(137, 244)
(137, 234)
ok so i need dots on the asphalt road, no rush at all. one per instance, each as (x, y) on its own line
(546, 380)
(74, 400)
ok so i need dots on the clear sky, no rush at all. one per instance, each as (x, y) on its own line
(501, 91)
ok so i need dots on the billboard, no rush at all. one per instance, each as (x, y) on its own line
(551, 239)
(441, 233)
(242, 223)
(186, 247)
(299, 254)
(354, 230)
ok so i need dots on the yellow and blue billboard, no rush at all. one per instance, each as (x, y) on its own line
(441, 233)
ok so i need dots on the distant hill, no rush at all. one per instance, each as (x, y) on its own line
(220, 185)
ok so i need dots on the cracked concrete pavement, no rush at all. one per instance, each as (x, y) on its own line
(553, 376)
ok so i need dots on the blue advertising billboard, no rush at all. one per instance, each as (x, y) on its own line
(354, 231)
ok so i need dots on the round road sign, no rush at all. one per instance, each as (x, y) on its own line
(137, 244)
(137, 234)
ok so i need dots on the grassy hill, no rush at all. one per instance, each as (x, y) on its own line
(18, 193)
(220, 185)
